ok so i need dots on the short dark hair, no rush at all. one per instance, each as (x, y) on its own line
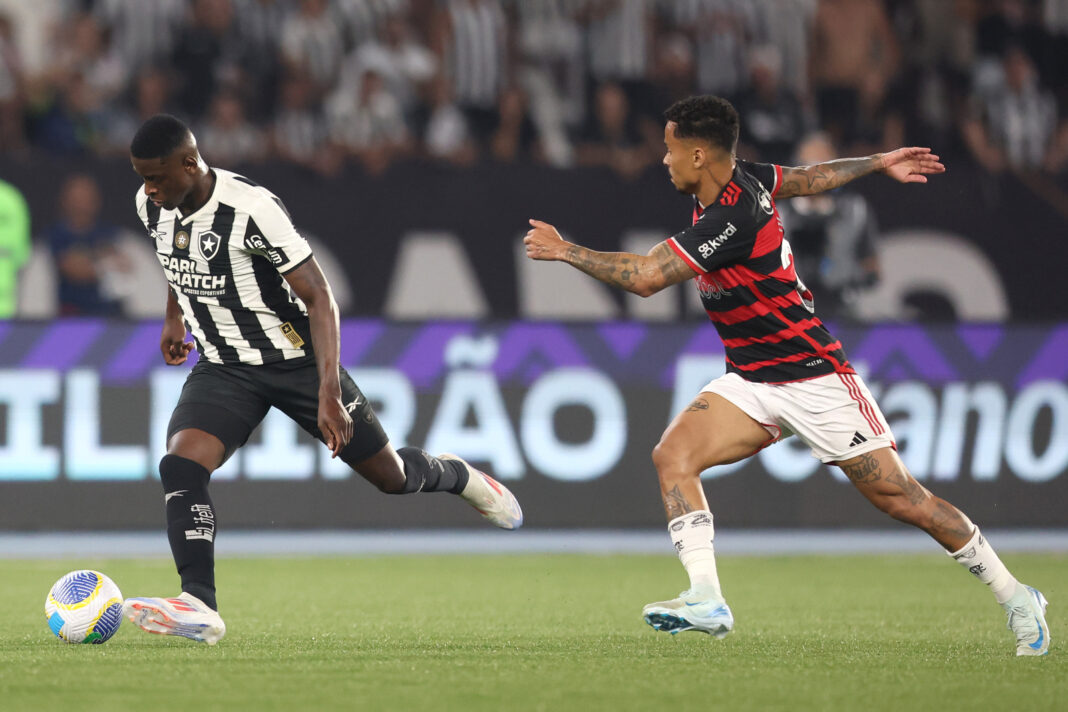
(706, 117)
(159, 137)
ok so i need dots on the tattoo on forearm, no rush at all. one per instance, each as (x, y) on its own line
(697, 405)
(642, 275)
(675, 503)
(672, 269)
(864, 471)
(808, 180)
(619, 269)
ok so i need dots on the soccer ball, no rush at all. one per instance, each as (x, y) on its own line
(84, 607)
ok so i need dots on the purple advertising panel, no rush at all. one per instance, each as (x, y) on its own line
(566, 414)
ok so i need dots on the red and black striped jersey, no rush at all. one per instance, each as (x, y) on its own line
(749, 287)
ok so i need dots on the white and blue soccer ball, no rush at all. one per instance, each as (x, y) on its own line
(84, 607)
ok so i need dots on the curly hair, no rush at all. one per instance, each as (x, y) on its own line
(707, 117)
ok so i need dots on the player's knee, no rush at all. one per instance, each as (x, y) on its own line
(670, 460)
(181, 473)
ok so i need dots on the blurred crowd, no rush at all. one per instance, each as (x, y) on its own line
(330, 83)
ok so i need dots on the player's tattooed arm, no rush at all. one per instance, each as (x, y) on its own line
(905, 165)
(808, 180)
(643, 275)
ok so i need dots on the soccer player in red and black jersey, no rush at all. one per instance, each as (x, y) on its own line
(786, 374)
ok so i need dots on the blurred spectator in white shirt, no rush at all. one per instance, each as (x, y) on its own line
(551, 71)
(773, 119)
(312, 43)
(405, 65)
(447, 136)
(1013, 124)
(370, 126)
(81, 46)
(471, 38)
(143, 32)
(229, 139)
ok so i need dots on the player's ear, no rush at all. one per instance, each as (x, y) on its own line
(698, 156)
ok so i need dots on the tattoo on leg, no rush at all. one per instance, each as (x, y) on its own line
(698, 404)
(867, 470)
(914, 492)
(675, 503)
(947, 519)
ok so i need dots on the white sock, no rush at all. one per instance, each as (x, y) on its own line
(980, 559)
(692, 536)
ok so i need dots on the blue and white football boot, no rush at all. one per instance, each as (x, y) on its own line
(489, 497)
(186, 616)
(703, 612)
(1027, 620)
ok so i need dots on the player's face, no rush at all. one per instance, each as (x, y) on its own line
(679, 159)
(168, 181)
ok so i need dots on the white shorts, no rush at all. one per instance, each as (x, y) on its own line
(834, 415)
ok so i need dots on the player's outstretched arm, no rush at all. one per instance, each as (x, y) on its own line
(643, 275)
(905, 165)
(309, 283)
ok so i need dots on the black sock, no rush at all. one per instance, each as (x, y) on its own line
(427, 473)
(190, 525)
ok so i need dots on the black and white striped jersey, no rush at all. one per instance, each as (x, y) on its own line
(225, 263)
(477, 49)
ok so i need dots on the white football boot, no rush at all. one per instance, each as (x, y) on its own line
(489, 497)
(1027, 620)
(701, 612)
(186, 616)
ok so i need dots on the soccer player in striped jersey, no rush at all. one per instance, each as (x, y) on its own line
(786, 374)
(245, 284)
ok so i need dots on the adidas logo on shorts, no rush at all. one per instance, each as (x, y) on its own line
(858, 439)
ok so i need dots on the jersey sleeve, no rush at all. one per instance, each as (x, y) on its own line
(769, 174)
(713, 242)
(271, 234)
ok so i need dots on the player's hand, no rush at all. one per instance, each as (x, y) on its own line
(335, 424)
(543, 242)
(172, 343)
(911, 165)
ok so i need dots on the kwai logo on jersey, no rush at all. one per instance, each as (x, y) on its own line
(209, 244)
(707, 247)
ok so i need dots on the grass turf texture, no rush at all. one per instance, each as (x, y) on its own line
(538, 632)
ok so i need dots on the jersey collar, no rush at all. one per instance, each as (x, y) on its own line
(209, 204)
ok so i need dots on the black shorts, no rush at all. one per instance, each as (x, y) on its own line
(229, 401)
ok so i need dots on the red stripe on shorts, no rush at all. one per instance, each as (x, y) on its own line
(865, 407)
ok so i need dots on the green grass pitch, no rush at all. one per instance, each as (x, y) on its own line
(545, 632)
